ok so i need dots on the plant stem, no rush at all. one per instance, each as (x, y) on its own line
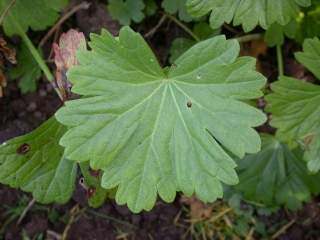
(280, 61)
(184, 27)
(34, 52)
(249, 37)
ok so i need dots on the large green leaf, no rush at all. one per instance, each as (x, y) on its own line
(310, 57)
(294, 105)
(153, 131)
(248, 13)
(35, 163)
(276, 176)
(36, 14)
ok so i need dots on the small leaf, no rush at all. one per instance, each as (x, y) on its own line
(34, 14)
(35, 163)
(177, 6)
(126, 11)
(27, 70)
(310, 57)
(276, 176)
(133, 121)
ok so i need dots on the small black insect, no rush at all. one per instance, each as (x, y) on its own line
(23, 149)
(189, 104)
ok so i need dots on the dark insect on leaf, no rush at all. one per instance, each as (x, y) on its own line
(23, 148)
(90, 192)
(189, 104)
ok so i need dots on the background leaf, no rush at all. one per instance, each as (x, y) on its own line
(126, 11)
(177, 6)
(248, 13)
(34, 14)
(276, 176)
(35, 163)
(27, 70)
(154, 133)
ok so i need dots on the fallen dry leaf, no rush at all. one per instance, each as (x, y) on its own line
(65, 57)
(198, 210)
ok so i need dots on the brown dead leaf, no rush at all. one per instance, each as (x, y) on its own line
(198, 210)
(6, 54)
(254, 49)
(65, 57)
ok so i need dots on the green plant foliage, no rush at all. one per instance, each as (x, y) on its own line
(276, 176)
(310, 57)
(34, 14)
(275, 34)
(248, 13)
(177, 6)
(35, 163)
(126, 11)
(294, 105)
(152, 131)
(27, 71)
(151, 7)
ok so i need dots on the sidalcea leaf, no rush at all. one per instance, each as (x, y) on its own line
(294, 105)
(276, 176)
(34, 14)
(35, 163)
(177, 6)
(126, 11)
(154, 131)
(248, 13)
(310, 57)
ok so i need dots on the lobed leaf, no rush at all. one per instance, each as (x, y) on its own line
(294, 105)
(248, 13)
(276, 176)
(34, 14)
(35, 163)
(153, 132)
(177, 6)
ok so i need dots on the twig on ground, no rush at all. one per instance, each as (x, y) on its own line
(54, 235)
(155, 28)
(283, 229)
(25, 211)
(73, 214)
(83, 5)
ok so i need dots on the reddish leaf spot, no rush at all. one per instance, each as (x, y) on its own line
(94, 173)
(23, 148)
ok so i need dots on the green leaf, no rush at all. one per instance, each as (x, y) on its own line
(177, 6)
(152, 132)
(294, 105)
(34, 14)
(126, 11)
(27, 70)
(248, 13)
(310, 57)
(276, 176)
(276, 33)
(151, 7)
(35, 163)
